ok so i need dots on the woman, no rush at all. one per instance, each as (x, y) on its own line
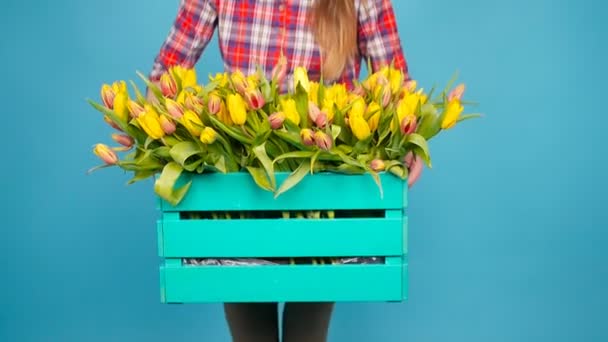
(330, 38)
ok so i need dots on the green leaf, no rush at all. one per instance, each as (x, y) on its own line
(294, 154)
(260, 178)
(155, 90)
(138, 94)
(313, 160)
(260, 153)
(165, 183)
(231, 131)
(419, 141)
(469, 116)
(191, 166)
(377, 180)
(294, 178)
(301, 98)
(291, 138)
(140, 175)
(111, 114)
(184, 150)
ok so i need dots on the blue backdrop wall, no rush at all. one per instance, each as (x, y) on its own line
(508, 230)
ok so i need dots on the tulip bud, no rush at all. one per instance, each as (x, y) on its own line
(359, 91)
(359, 127)
(313, 111)
(113, 124)
(193, 103)
(214, 103)
(123, 139)
(175, 109)
(323, 140)
(321, 120)
(107, 96)
(239, 81)
(377, 165)
(149, 121)
(452, 112)
(373, 122)
(167, 125)
(307, 137)
(301, 77)
(280, 70)
(410, 86)
(276, 120)
(237, 109)
(358, 107)
(456, 93)
(386, 96)
(396, 81)
(290, 110)
(135, 109)
(121, 102)
(106, 154)
(208, 136)
(255, 99)
(168, 86)
(408, 124)
(192, 122)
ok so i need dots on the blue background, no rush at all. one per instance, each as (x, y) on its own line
(508, 230)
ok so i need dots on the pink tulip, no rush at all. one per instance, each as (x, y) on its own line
(214, 104)
(456, 93)
(106, 154)
(175, 109)
(377, 165)
(321, 120)
(135, 109)
(167, 125)
(123, 139)
(307, 137)
(313, 111)
(109, 121)
(255, 99)
(323, 140)
(107, 95)
(276, 120)
(408, 124)
(168, 86)
(280, 70)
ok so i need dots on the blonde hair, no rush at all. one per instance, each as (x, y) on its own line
(334, 25)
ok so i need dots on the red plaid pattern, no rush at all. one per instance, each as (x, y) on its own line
(254, 32)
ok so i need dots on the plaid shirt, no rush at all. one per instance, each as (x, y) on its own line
(254, 32)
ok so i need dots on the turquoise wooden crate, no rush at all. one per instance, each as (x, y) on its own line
(366, 225)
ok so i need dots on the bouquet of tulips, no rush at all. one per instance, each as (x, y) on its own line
(243, 123)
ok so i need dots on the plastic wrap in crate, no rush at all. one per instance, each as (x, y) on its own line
(383, 235)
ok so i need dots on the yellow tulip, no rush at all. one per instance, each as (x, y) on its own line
(300, 75)
(358, 107)
(192, 122)
(223, 115)
(106, 154)
(313, 94)
(135, 109)
(360, 128)
(290, 111)
(372, 109)
(237, 109)
(187, 76)
(208, 136)
(149, 121)
(452, 112)
(396, 81)
(373, 122)
(121, 109)
(220, 78)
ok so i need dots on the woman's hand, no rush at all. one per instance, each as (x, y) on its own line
(415, 166)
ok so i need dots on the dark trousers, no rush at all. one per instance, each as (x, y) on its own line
(258, 322)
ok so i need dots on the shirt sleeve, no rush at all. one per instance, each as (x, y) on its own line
(191, 32)
(379, 37)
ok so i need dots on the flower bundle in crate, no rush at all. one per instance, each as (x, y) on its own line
(233, 162)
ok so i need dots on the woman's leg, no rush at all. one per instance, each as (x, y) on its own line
(252, 322)
(306, 322)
